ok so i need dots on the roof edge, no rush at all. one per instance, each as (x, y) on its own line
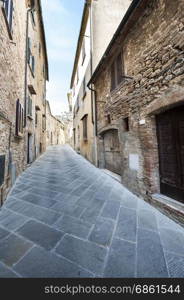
(133, 6)
(79, 42)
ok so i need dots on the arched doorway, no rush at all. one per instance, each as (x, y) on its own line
(112, 151)
(170, 131)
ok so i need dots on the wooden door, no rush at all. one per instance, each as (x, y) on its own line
(170, 130)
(112, 151)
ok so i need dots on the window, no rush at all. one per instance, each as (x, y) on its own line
(77, 104)
(8, 7)
(44, 70)
(36, 118)
(74, 137)
(33, 17)
(85, 123)
(126, 124)
(117, 71)
(108, 119)
(84, 87)
(83, 51)
(31, 58)
(39, 48)
(29, 107)
(43, 123)
(78, 134)
(77, 76)
(19, 119)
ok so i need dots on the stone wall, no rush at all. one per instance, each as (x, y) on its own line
(13, 86)
(11, 89)
(55, 129)
(153, 51)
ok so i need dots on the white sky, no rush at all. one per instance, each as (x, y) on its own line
(62, 23)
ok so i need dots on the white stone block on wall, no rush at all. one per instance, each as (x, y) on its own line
(134, 162)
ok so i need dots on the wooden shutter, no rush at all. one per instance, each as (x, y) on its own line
(10, 19)
(84, 86)
(17, 118)
(85, 133)
(6, 7)
(33, 64)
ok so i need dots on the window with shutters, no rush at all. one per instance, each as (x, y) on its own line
(33, 17)
(43, 123)
(36, 118)
(30, 107)
(74, 136)
(83, 51)
(77, 104)
(85, 127)
(77, 76)
(30, 57)
(19, 119)
(8, 11)
(117, 71)
(84, 87)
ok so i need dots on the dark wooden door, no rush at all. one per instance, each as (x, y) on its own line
(112, 151)
(170, 129)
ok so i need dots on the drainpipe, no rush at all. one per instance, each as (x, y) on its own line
(93, 92)
(25, 71)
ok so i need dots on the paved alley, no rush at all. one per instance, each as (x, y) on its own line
(66, 218)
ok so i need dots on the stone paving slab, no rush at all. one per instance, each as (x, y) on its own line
(73, 226)
(40, 234)
(3, 233)
(147, 219)
(85, 253)
(127, 224)
(111, 209)
(11, 220)
(42, 264)
(102, 232)
(121, 260)
(6, 272)
(13, 248)
(150, 255)
(47, 216)
(66, 218)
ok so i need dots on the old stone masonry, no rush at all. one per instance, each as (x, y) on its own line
(66, 218)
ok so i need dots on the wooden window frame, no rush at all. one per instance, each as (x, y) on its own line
(30, 108)
(85, 127)
(8, 9)
(31, 58)
(117, 71)
(84, 88)
(77, 104)
(36, 118)
(19, 119)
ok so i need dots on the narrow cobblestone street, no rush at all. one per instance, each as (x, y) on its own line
(66, 218)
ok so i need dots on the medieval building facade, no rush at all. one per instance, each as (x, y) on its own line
(100, 19)
(23, 76)
(139, 88)
(55, 129)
